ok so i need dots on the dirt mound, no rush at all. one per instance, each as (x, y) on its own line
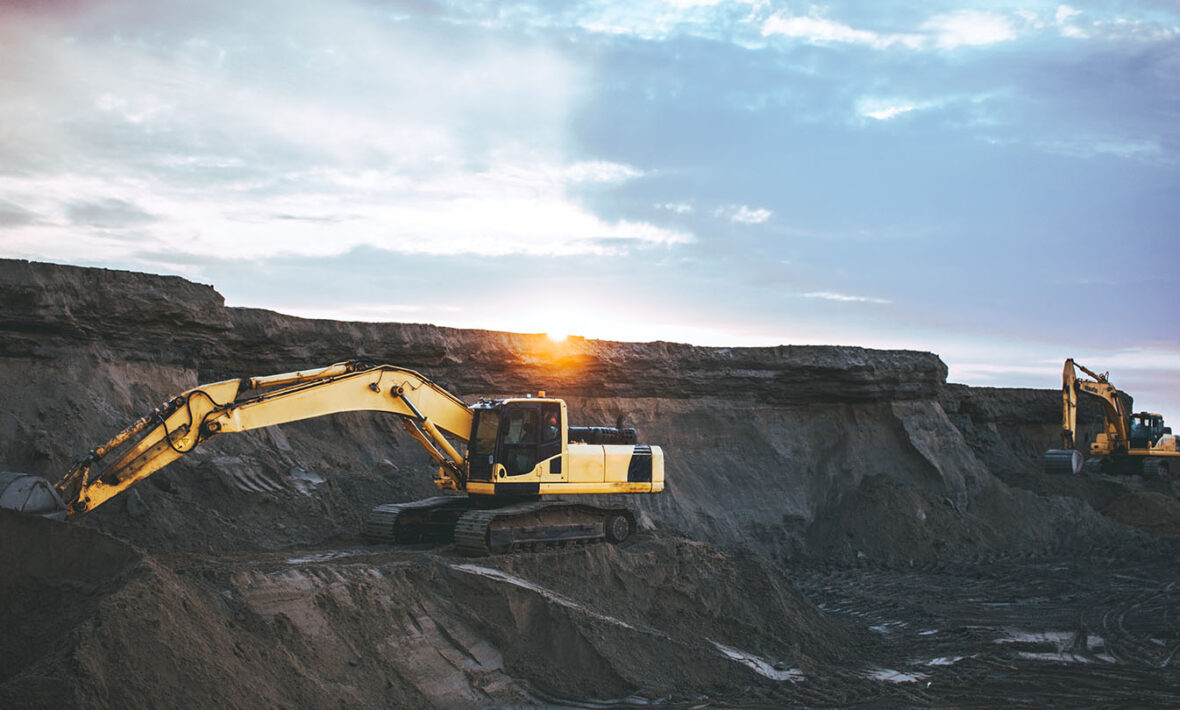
(53, 577)
(1155, 513)
(90, 622)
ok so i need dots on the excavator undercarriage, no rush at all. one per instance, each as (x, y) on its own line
(482, 526)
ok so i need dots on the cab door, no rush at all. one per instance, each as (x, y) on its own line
(532, 440)
(520, 422)
(550, 449)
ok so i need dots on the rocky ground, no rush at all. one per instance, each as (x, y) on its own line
(841, 527)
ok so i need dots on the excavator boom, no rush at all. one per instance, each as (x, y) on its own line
(1116, 405)
(190, 419)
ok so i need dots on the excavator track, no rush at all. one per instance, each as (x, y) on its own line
(426, 520)
(527, 526)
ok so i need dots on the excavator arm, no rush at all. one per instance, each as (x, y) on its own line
(428, 412)
(1069, 404)
(1116, 406)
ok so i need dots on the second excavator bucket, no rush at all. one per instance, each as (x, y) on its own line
(1066, 461)
(30, 494)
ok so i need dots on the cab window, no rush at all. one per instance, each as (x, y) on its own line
(486, 429)
(520, 438)
(550, 423)
(522, 427)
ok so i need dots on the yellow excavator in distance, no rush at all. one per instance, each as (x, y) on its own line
(1129, 443)
(517, 450)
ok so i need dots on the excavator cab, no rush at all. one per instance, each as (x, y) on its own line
(517, 434)
(1147, 429)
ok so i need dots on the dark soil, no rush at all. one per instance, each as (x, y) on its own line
(1155, 513)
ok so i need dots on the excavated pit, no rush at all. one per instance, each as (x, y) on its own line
(840, 527)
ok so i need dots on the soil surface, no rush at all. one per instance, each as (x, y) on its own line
(841, 528)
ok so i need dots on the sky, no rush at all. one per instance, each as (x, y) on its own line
(998, 183)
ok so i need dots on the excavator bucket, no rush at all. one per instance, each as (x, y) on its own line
(30, 494)
(1066, 461)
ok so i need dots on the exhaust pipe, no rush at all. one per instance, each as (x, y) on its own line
(31, 495)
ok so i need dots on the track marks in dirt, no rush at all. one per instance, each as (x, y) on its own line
(1050, 633)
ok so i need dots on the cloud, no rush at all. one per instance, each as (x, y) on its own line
(971, 108)
(107, 213)
(746, 215)
(819, 30)
(469, 215)
(743, 214)
(601, 171)
(986, 370)
(1065, 13)
(887, 112)
(1146, 358)
(973, 28)
(963, 28)
(13, 216)
(676, 207)
(660, 20)
(1075, 24)
(968, 28)
(843, 298)
(194, 133)
(748, 23)
(1091, 146)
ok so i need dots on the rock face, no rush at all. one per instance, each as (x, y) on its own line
(777, 449)
(53, 311)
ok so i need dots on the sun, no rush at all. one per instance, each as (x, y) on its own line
(557, 337)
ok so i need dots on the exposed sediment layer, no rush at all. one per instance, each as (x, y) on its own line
(165, 320)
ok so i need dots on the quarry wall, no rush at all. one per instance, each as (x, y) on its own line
(789, 450)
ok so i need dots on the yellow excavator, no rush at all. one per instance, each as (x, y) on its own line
(1129, 443)
(516, 450)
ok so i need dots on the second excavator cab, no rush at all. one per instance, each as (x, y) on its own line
(1147, 429)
